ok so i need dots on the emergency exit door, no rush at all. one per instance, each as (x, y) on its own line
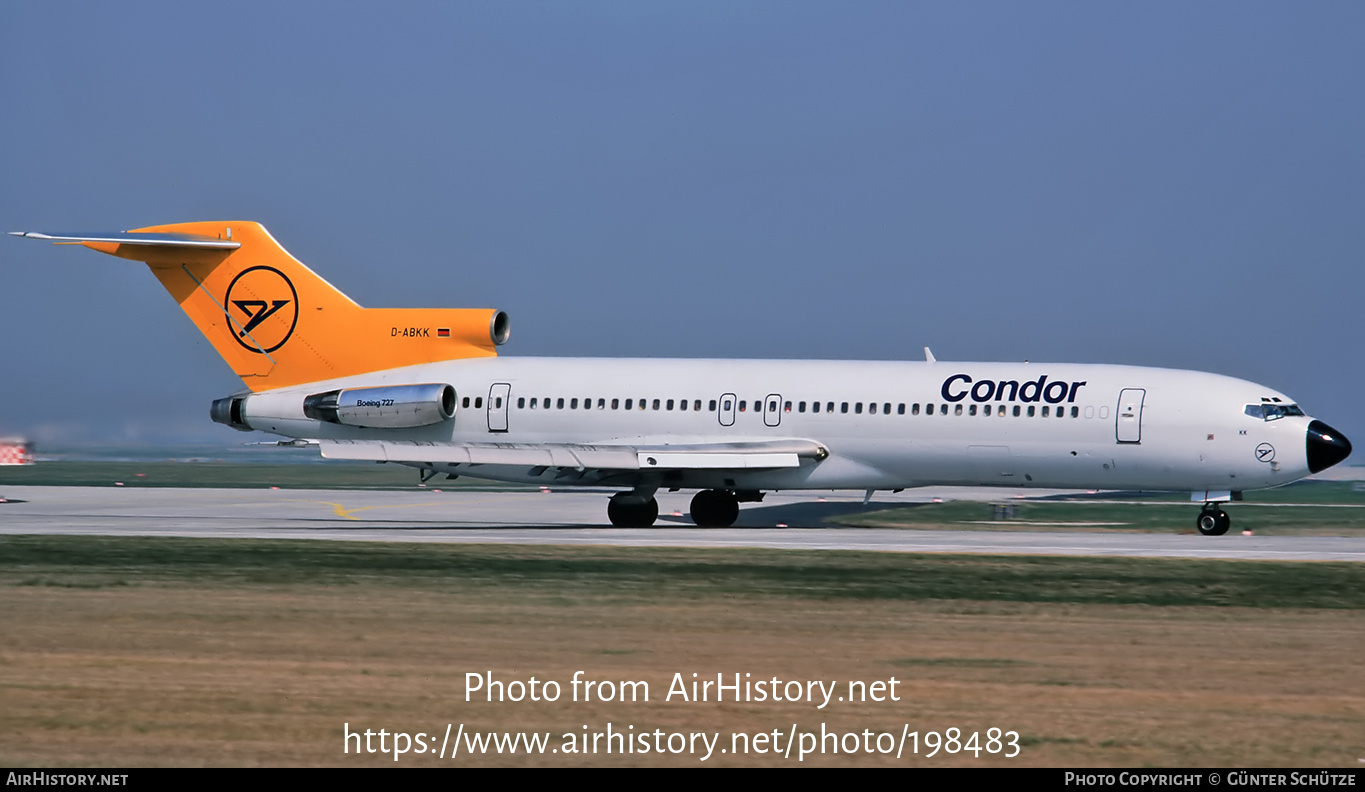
(498, 397)
(772, 410)
(726, 411)
(1129, 428)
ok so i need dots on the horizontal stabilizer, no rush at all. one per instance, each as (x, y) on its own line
(131, 238)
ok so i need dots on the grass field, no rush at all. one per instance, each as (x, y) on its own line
(195, 652)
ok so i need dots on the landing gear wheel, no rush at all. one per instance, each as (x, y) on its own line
(714, 509)
(632, 515)
(1213, 522)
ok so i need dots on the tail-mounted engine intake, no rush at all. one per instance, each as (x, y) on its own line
(499, 328)
(386, 407)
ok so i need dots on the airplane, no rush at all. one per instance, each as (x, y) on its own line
(426, 388)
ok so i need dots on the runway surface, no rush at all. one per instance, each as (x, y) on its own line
(576, 517)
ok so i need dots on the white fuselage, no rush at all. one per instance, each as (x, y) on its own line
(886, 425)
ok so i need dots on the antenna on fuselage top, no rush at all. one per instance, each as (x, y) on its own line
(929, 356)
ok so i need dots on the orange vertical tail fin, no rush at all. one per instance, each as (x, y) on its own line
(277, 323)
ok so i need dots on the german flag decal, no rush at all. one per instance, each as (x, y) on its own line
(443, 332)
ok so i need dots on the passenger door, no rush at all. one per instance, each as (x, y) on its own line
(1129, 426)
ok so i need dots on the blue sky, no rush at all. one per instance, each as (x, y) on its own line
(1165, 184)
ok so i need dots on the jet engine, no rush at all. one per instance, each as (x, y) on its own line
(384, 407)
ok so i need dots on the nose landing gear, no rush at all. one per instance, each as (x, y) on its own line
(1213, 521)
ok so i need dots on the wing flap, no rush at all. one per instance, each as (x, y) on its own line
(721, 461)
(696, 456)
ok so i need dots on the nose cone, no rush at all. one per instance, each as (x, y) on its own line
(1326, 447)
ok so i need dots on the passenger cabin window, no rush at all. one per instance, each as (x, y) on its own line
(573, 404)
(858, 408)
(843, 408)
(787, 407)
(478, 402)
(629, 402)
(743, 404)
(669, 405)
(957, 410)
(521, 403)
(696, 404)
(829, 407)
(466, 401)
(602, 404)
(900, 409)
(801, 407)
(914, 408)
(615, 404)
(560, 404)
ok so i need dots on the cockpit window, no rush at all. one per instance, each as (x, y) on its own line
(1273, 412)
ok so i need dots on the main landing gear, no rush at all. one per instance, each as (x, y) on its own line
(1213, 521)
(715, 509)
(710, 508)
(627, 510)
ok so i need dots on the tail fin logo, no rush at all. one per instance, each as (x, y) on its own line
(262, 308)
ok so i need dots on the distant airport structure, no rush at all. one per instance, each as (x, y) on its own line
(16, 451)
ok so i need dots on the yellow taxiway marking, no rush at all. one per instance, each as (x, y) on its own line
(341, 511)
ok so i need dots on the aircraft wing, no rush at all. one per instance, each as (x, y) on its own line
(768, 454)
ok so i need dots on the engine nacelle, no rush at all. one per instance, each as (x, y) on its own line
(384, 407)
(230, 412)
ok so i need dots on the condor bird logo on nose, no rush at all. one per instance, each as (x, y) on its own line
(261, 316)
